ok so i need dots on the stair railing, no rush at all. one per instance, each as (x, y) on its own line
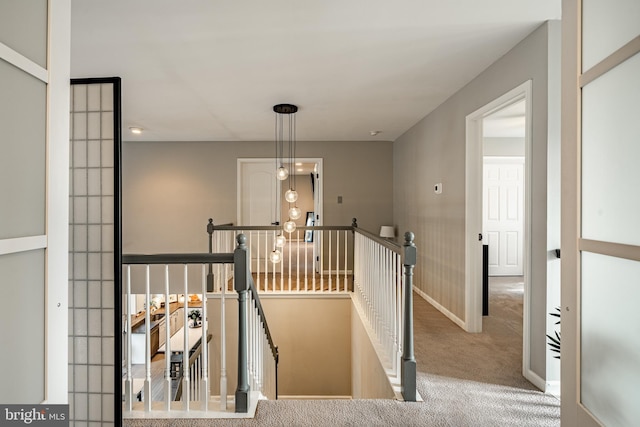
(348, 259)
(383, 290)
(257, 356)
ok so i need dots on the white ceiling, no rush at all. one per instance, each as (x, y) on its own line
(211, 70)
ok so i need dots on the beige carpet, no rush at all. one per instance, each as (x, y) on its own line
(465, 380)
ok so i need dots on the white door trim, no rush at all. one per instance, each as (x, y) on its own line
(473, 215)
(57, 260)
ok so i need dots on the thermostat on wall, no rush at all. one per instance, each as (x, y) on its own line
(438, 188)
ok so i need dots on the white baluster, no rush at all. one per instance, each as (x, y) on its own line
(306, 262)
(204, 383)
(329, 232)
(167, 342)
(290, 249)
(147, 353)
(128, 393)
(223, 346)
(186, 381)
(298, 261)
(346, 251)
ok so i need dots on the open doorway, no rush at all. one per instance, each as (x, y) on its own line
(503, 153)
(305, 178)
(499, 212)
(503, 150)
(259, 196)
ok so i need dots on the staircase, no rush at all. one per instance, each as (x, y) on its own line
(346, 263)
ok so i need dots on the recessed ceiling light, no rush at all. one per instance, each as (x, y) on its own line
(135, 130)
(374, 132)
(298, 164)
(299, 169)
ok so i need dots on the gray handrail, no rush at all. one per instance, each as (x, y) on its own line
(192, 258)
(279, 227)
(263, 317)
(389, 244)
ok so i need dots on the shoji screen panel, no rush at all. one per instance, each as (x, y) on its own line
(93, 225)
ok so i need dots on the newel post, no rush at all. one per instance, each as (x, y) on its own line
(241, 271)
(409, 259)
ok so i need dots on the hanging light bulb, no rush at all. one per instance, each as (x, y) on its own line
(282, 173)
(289, 226)
(291, 195)
(280, 240)
(295, 212)
(275, 256)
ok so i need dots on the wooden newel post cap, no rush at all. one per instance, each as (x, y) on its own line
(210, 226)
(354, 222)
(410, 251)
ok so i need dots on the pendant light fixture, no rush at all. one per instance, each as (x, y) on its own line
(282, 173)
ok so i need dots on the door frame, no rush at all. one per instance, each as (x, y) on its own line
(473, 217)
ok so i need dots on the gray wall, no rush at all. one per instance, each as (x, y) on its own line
(170, 189)
(433, 151)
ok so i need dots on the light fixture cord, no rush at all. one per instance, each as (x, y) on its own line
(293, 138)
(275, 205)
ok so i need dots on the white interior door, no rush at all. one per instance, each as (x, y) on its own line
(258, 205)
(503, 209)
(259, 192)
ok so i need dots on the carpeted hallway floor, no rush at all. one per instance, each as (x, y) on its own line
(464, 379)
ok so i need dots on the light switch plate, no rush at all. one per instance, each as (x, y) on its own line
(438, 188)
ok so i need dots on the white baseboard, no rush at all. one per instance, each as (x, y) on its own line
(455, 319)
(535, 379)
(305, 397)
(553, 388)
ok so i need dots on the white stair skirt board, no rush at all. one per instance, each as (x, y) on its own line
(176, 412)
(394, 382)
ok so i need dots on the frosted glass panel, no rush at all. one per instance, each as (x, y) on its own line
(22, 320)
(607, 25)
(23, 27)
(610, 155)
(22, 153)
(611, 339)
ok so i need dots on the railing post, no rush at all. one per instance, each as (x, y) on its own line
(241, 285)
(210, 273)
(408, 359)
(354, 225)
